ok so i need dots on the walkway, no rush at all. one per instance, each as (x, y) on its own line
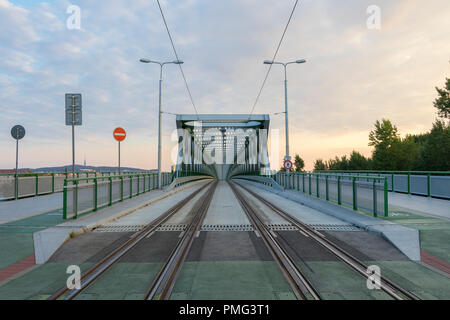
(418, 204)
(24, 208)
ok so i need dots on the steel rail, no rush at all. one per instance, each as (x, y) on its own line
(298, 282)
(107, 262)
(164, 282)
(388, 286)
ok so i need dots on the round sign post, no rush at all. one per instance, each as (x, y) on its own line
(288, 165)
(17, 132)
(120, 135)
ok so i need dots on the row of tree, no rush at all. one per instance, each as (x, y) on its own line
(423, 152)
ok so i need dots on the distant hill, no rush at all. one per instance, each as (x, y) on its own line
(68, 168)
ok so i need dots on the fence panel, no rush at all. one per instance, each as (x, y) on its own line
(419, 184)
(7, 187)
(45, 184)
(440, 186)
(59, 182)
(27, 186)
(84, 194)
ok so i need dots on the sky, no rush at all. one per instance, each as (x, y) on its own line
(354, 75)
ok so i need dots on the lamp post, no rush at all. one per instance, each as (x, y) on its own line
(161, 64)
(287, 157)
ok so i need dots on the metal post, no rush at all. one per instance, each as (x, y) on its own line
(75, 196)
(159, 127)
(119, 158)
(16, 187)
(95, 195)
(73, 136)
(286, 111)
(65, 199)
(339, 190)
(386, 199)
(374, 198)
(355, 205)
(317, 185)
(110, 191)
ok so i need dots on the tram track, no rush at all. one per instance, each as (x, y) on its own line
(391, 288)
(96, 271)
(164, 282)
(300, 285)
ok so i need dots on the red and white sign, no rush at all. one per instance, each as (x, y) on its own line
(119, 134)
(288, 164)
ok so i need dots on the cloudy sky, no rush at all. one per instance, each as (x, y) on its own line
(354, 75)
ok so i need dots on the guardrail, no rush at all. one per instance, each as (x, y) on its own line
(83, 195)
(30, 184)
(364, 193)
(426, 183)
(37, 184)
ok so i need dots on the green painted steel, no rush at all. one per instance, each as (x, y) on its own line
(409, 183)
(386, 199)
(366, 185)
(95, 195)
(65, 200)
(374, 187)
(37, 185)
(73, 185)
(121, 188)
(339, 190)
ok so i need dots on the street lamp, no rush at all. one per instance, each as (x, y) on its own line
(161, 64)
(287, 157)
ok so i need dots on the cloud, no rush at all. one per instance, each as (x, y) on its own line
(353, 75)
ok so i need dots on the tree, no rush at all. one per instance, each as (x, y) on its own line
(338, 164)
(436, 150)
(384, 135)
(320, 165)
(406, 154)
(442, 103)
(383, 138)
(358, 162)
(299, 163)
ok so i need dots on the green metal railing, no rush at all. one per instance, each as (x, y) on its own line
(426, 183)
(84, 195)
(37, 184)
(363, 193)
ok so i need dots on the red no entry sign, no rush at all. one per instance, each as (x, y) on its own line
(119, 134)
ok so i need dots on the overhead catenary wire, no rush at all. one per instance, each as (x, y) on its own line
(273, 59)
(176, 55)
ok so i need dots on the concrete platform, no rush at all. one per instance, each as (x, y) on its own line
(301, 212)
(23, 208)
(225, 208)
(46, 242)
(420, 205)
(405, 239)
